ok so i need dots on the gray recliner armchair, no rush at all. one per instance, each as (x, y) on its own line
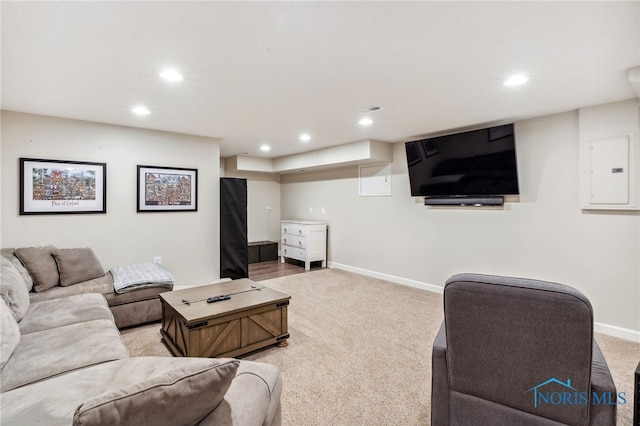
(515, 351)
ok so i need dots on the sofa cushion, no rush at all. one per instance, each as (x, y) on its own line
(102, 285)
(41, 266)
(9, 254)
(47, 353)
(76, 265)
(148, 293)
(55, 313)
(52, 407)
(13, 289)
(183, 395)
(9, 333)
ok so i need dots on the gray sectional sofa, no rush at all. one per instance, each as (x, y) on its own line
(63, 362)
(61, 273)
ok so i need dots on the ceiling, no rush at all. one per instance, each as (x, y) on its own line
(264, 72)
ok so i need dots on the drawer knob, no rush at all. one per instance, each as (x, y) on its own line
(300, 243)
(285, 230)
(300, 231)
(285, 241)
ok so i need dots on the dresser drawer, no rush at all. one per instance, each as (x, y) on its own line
(294, 241)
(294, 253)
(294, 229)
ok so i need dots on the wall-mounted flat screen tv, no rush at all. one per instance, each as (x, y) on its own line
(476, 163)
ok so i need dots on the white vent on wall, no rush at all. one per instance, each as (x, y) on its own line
(370, 109)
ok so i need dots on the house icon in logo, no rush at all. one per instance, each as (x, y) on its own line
(536, 388)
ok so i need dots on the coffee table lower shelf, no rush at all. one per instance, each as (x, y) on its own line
(225, 335)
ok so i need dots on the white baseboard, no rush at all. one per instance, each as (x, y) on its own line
(392, 278)
(612, 330)
(599, 327)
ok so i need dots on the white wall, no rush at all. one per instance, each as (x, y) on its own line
(263, 191)
(545, 235)
(188, 241)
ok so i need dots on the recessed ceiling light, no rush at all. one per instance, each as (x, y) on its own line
(171, 75)
(265, 148)
(305, 137)
(366, 121)
(141, 110)
(516, 80)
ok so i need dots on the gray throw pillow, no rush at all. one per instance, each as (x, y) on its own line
(184, 395)
(9, 254)
(13, 289)
(9, 333)
(76, 265)
(41, 266)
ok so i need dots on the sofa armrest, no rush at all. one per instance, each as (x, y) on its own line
(252, 400)
(602, 382)
(439, 380)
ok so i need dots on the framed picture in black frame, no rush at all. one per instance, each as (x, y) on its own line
(413, 153)
(430, 147)
(62, 187)
(167, 189)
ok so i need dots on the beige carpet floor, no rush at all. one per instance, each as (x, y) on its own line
(360, 351)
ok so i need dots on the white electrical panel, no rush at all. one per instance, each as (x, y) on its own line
(609, 173)
(610, 170)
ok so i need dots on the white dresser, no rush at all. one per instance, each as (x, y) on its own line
(303, 240)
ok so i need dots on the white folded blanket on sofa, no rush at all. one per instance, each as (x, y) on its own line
(140, 275)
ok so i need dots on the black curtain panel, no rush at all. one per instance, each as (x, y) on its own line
(234, 255)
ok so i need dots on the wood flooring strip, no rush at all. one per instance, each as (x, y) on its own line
(275, 269)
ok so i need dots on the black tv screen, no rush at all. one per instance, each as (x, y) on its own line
(476, 163)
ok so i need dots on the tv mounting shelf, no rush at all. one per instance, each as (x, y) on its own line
(464, 201)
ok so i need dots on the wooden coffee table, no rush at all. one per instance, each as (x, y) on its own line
(253, 318)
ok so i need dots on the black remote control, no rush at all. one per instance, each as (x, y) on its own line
(218, 298)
